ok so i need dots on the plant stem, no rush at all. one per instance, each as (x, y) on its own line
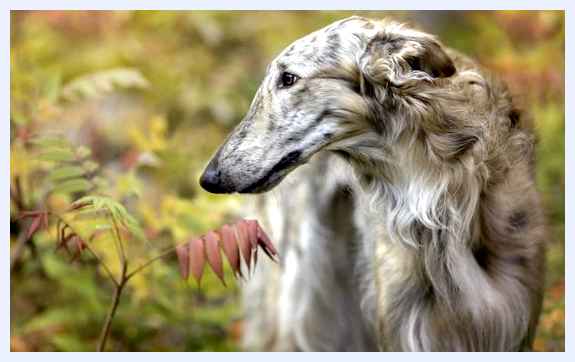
(118, 288)
(150, 261)
(91, 250)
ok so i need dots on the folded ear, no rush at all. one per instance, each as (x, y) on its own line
(392, 59)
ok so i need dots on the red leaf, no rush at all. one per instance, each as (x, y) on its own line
(213, 254)
(241, 240)
(244, 242)
(78, 244)
(183, 253)
(197, 258)
(34, 226)
(255, 256)
(230, 247)
(266, 243)
(252, 227)
(81, 244)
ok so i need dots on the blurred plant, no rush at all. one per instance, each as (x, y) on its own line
(94, 217)
(99, 83)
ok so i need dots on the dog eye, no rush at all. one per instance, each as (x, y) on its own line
(288, 79)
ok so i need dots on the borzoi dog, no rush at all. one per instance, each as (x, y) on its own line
(409, 220)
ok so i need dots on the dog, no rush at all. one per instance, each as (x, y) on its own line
(403, 203)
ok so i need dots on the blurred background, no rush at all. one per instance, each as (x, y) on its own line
(151, 95)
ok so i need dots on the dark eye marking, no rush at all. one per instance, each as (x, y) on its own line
(287, 80)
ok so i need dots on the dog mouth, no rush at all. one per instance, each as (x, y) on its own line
(275, 175)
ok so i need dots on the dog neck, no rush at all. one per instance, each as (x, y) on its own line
(423, 208)
(421, 223)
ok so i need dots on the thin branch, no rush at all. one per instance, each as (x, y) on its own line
(117, 294)
(149, 262)
(112, 311)
(91, 250)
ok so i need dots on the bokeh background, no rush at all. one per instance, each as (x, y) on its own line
(152, 94)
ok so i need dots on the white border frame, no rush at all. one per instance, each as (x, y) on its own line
(289, 5)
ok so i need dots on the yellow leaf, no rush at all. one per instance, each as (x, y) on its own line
(151, 139)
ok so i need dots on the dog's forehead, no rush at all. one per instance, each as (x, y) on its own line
(334, 34)
(327, 44)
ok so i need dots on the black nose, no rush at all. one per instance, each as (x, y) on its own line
(211, 180)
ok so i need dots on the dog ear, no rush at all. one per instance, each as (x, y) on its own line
(402, 60)
(432, 59)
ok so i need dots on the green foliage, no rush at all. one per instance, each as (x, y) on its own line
(100, 83)
(70, 169)
(94, 206)
(149, 96)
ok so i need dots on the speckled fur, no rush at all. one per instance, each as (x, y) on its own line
(411, 221)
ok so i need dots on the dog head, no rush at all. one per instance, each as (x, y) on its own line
(324, 91)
